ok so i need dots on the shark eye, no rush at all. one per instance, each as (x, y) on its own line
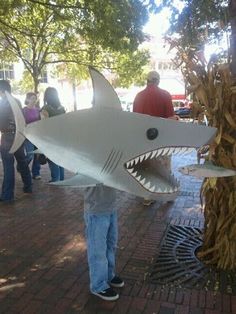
(152, 133)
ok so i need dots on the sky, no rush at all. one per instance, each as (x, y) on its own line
(157, 24)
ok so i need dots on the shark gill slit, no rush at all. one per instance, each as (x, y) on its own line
(110, 156)
(117, 162)
(113, 163)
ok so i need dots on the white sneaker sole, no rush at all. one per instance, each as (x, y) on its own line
(114, 298)
(117, 285)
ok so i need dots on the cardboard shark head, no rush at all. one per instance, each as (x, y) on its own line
(106, 145)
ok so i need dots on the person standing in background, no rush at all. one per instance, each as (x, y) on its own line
(8, 129)
(52, 107)
(31, 113)
(156, 102)
(153, 100)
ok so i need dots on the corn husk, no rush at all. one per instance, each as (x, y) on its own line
(213, 92)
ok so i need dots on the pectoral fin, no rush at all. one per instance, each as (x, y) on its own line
(78, 180)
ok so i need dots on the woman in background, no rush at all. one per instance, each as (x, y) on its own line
(31, 113)
(52, 107)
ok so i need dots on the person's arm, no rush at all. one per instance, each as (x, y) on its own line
(5, 112)
(2, 119)
(137, 105)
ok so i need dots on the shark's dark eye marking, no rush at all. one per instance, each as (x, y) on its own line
(152, 133)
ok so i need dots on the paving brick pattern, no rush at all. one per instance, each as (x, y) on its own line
(43, 263)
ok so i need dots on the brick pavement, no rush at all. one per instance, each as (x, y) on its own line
(43, 266)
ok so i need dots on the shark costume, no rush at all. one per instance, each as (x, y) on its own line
(106, 147)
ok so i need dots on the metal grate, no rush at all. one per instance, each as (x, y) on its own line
(178, 265)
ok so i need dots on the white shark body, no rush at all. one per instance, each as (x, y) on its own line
(107, 145)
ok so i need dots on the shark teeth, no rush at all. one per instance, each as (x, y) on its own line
(164, 151)
(173, 185)
(148, 185)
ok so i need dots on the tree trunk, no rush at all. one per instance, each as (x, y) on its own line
(36, 84)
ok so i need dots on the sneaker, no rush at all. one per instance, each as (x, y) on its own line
(37, 177)
(3, 201)
(27, 191)
(147, 202)
(117, 282)
(109, 294)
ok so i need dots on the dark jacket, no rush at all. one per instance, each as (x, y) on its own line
(7, 121)
(53, 111)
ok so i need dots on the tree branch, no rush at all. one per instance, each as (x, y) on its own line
(16, 29)
(98, 65)
(59, 6)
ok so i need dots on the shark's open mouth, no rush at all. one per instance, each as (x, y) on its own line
(153, 169)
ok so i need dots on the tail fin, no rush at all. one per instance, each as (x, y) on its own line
(19, 121)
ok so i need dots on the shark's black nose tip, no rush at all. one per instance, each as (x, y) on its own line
(152, 133)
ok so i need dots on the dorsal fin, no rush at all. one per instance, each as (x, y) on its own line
(104, 94)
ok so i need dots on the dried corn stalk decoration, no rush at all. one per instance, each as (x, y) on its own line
(211, 84)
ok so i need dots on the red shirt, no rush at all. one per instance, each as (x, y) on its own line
(154, 101)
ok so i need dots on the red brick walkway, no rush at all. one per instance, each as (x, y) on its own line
(43, 265)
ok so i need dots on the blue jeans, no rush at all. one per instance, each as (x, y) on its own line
(57, 172)
(8, 184)
(29, 148)
(102, 235)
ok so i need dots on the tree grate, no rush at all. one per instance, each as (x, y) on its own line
(177, 265)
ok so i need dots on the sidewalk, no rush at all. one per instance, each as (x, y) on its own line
(43, 263)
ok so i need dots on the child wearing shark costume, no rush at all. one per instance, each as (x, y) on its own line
(104, 160)
(100, 217)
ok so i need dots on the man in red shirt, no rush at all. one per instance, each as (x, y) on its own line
(157, 102)
(153, 100)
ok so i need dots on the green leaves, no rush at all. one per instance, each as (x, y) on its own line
(40, 32)
(197, 21)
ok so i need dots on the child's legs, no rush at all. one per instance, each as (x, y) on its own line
(96, 231)
(112, 238)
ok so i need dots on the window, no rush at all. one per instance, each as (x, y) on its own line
(6, 71)
(44, 76)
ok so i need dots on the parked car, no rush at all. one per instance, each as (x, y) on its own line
(183, 112)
